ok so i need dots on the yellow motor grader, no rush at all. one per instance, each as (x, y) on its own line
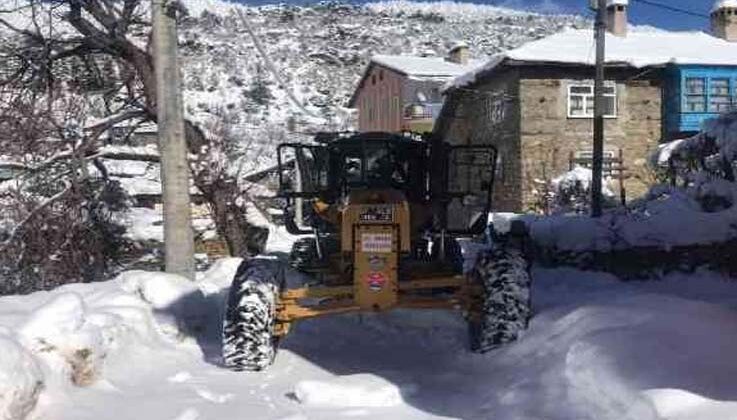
(381, 215)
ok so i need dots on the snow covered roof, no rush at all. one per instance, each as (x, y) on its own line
(421, 66)
(435, 68)
(720, 4)
(640, 48)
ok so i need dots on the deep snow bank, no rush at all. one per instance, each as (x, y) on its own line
(20, 379)
(600, 349)
(64, 338)
(364, 390)
(597, 349)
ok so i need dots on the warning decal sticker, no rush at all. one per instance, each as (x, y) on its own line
(376, 242)
(376, 281)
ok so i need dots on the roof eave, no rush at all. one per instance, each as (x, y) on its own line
(354, 97)
(614, 64)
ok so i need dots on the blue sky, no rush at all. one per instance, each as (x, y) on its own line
(640, 13)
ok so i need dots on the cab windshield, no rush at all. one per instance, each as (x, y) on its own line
(379, 164)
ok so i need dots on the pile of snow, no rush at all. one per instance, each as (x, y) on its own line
(674, 219)
(579, 177)
(20, 379)
(75, 336)
(362, 390)
(179, 303)
(597, 349)
(571, 192)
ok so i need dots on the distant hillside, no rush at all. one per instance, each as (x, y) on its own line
(318, 51)
(321, 50)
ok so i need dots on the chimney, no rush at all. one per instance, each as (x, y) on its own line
(616, 12)
(459, 53)
(724, 20)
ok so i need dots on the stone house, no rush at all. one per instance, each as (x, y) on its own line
(404, 93)
(535, 103)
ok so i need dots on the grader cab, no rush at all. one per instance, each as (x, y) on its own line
(382, 216)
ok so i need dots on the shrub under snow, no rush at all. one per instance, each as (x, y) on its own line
(572, 191)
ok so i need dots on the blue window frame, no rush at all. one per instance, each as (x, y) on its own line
(698, 94)
(708, 92)
(695, 97)
(721, 94)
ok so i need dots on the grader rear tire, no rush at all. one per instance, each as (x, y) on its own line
(506, 301)
(249, 321)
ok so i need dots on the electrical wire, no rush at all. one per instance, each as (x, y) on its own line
(673, 8)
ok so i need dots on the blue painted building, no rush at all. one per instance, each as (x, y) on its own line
(695, 93)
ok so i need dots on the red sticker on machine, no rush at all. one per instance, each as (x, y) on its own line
(376, 281)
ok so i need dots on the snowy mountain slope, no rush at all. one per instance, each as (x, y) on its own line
(597, 349)
(320, 52)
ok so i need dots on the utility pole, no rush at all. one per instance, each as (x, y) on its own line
(178, 236)
(598, 151)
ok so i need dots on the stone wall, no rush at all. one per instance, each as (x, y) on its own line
(548, 135)
(523, 111)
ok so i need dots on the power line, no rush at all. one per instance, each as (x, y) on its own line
(673, 8)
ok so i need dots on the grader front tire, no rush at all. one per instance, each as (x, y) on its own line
(506, 306)
(249, 340)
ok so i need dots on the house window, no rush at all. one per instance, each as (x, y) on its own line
(581, 101)
(695, 94)
(719, 97)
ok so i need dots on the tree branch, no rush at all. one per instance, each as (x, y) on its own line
(19, 227)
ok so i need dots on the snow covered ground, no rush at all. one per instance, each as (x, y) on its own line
(144, 346)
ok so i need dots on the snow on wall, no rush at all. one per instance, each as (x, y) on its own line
(671, 221)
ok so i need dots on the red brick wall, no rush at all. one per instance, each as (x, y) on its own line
(379, 101)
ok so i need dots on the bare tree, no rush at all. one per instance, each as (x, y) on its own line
(57, 31)
(58, 215)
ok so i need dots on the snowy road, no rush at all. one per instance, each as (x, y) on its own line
(597, 349)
